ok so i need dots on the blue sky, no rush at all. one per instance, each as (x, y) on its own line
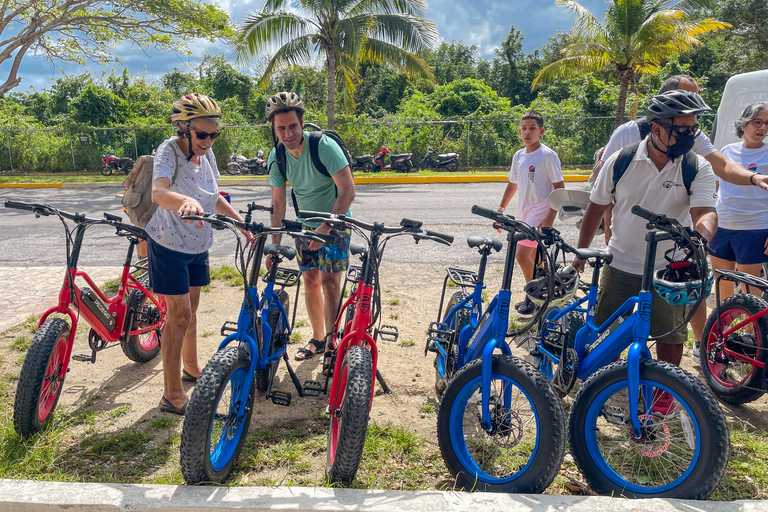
(484, 23)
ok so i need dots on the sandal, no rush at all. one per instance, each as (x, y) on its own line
(304, 353)
(167, 406)
(187, 377)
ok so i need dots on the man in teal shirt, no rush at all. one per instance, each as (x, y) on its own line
(321, 264)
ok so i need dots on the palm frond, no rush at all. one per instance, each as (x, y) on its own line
(416, 8)
(411, 33)
(261, 32)
(586, 24)
(375, 51)
(293, 53)
(571, 67)
(276, 5)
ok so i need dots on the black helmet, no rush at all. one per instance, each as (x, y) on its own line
(283, 102)
(674, 104)
(566, 284)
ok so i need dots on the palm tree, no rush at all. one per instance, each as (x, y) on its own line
(638, 35)
(348, 32)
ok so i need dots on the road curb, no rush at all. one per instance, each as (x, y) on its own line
(264, 182)
(27, 495)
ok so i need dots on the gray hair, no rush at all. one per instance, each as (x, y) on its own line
(750, 113)
(183, 126)
(673, 82)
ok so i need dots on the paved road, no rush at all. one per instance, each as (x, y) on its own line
(27, 241)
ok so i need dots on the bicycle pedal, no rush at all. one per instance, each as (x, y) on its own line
(228, 327)
(388, 333)
(83, 358)
(312, 388)
(281, 398)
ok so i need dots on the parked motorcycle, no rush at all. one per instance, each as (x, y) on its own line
(242, 165)
(447, 161)
(362, 163)
(400, 162)
(113, 164)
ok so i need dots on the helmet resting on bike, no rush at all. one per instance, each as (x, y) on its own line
(193, 106)
(284, 102)
(679, 283)
(674, 104)
(566, 283)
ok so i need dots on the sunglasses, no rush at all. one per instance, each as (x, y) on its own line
(683, 131)
(205, 135)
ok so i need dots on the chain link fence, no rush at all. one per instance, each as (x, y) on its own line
(480, 143)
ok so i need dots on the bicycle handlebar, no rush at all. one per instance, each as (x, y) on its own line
(291, 228)
(508, 222)
(46, 210)
(254, 206)
(667, 224)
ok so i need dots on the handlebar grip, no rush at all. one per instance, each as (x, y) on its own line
(20, 205)
(114, 218)
(216, 223)
(324, 237)
(410, 223)
(648, 215)
(254, 206)
(485, 212)
(292, 225)
(308, 213)
(442, 236)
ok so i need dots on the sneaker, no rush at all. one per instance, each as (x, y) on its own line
(663, 403)
(518, 304)
(526, 308)
(696, 349)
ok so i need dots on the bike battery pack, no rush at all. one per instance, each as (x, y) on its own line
(97, 307)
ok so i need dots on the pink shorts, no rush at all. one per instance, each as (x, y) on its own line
(527, 243)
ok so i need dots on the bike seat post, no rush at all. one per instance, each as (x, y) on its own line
(484, 252)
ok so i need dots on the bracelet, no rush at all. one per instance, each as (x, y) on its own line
(500, 209)
(752, 178)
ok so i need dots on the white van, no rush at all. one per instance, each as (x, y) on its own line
(740, 91)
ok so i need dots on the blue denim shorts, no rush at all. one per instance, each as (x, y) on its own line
(173, 272)
(745, 247)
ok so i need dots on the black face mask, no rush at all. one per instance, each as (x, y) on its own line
(682, 145)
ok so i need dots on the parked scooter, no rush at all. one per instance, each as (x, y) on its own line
(399, 163)
(447, 161)
(242, 165)
(362, 163)
(113, 164)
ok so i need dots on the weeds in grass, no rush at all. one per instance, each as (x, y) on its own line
(394, 302)
(406, 343)
(301, 323)
(21, 342)
(295, 338)
(393, 316)
(228, 274)
(111, 286)
(208, 333)
(427, 408)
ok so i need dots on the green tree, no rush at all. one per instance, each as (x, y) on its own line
(636, 37)
(347, 32)
(451, 62)
(77, 30)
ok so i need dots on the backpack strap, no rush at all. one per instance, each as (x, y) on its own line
(621, 164)
(314, 151)
(644, 126)
(690, 169)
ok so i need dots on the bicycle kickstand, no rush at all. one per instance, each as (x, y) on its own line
(383, 383)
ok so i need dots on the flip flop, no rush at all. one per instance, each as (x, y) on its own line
(187, 377)
(304, 353)
(167, 406)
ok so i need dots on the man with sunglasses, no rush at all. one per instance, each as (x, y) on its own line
(654, 179)
(184, 183)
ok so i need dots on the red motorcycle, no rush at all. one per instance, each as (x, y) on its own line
(112, 164)
(398, 163)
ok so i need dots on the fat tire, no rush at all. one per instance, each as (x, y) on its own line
(697, 480)
(541, 468)
(460, 320)
(344, 455)
(196, 463)
(751, 386)
(273, 318)
(46, 351)
(134, 348)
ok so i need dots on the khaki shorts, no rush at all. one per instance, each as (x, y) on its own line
(616, 286)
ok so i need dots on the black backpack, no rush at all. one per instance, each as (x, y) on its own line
(644, 126)
(315, 135)
(690, 165)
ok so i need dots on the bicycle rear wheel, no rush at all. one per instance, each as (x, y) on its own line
(349, 421)
(557, 338)
(213, 431)
(523, 447)
(42, 378)
(732, 380)
(143, 347)
(460, 319)
(276, 343)
(682, 452)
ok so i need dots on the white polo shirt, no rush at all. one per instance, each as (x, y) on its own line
(629, 133)
(659, 191)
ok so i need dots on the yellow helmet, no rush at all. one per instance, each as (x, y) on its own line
(283, 102)
(193, 106)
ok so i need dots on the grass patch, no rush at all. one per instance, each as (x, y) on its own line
(228, 274)
(393, 302)
(393, 316)
(451, 284)
(405, 343)
(21, 342)
(427, 408)
(295, 338)
(747, 474)
(208, 333)
(301, 323)
(111, 286)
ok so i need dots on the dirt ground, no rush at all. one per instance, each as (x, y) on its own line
(410, 297)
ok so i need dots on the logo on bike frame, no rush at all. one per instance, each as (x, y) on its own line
(644, 310)
(365, 303)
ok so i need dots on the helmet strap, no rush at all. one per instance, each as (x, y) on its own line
(189, 141)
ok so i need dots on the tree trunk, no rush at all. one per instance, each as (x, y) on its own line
(622, 102)
(330, 103)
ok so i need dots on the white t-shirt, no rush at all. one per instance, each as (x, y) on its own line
(629, 133)
(659, 191)
(197, 181)
(534, 173)
(743, 207)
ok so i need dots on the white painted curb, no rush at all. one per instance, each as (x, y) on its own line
(26, 495)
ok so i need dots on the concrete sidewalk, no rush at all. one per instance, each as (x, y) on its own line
(25, 495)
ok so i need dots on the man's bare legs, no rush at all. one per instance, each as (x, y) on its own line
(322, 291)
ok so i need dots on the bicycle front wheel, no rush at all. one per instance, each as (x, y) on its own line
(733, 380)
(349, 421)
(214, 431)
(523, 447)
(684, 445)
(42, 378)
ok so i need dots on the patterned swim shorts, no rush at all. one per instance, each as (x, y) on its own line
(331, 258)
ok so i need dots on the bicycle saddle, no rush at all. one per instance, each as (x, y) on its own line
(586, 254)
(480, 241)
(288, 252)
(358, 248)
